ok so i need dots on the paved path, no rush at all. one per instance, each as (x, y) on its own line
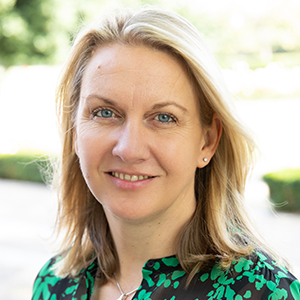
(27, 215)
(26, 218)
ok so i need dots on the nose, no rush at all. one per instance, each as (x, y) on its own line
(132, 146)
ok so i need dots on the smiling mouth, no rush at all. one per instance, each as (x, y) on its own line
(128, 177)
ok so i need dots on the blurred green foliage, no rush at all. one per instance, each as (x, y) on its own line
(40, 31)
(31, 32)
(235, 34)
(284, 188)
(26, 166)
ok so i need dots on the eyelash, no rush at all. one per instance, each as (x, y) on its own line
(101, 109)
(173, 119)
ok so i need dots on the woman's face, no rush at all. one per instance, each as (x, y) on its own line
(138, 135)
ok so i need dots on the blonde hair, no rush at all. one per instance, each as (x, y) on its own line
(219, 227)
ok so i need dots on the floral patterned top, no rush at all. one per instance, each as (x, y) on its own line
(256, 277)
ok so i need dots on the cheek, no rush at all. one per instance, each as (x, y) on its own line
(89, 147)
(179, 155)
(88, 136)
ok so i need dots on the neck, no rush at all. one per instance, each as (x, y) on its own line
(137, 244)
(138, 241)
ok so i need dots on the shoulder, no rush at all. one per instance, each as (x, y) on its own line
(48, 285)
(258, 277)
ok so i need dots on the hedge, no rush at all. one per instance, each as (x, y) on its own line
(284, 188)
(25, 166)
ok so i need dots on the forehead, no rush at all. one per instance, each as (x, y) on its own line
(116, 58)
(136, 72)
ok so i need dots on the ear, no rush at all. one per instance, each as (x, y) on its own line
(212, 137)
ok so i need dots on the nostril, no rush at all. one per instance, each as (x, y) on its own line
(131, 151)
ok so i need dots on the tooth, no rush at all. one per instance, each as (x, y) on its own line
(134, 178)
(129, 177)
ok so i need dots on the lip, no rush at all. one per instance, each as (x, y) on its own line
(130, 172)
(130, 185)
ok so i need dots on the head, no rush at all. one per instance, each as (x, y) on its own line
(219, 182)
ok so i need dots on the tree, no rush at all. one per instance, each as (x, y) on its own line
(29, 32)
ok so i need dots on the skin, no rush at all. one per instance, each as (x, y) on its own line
(139, 115)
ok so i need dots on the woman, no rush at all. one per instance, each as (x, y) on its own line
(153, 172)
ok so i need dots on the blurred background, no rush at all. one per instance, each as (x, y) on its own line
(257, 44)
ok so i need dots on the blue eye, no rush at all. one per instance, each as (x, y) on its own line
(104, 113)
(164, 118)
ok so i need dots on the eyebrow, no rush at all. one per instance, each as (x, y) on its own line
(105, 100)
(163, 104)
(155, 106)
